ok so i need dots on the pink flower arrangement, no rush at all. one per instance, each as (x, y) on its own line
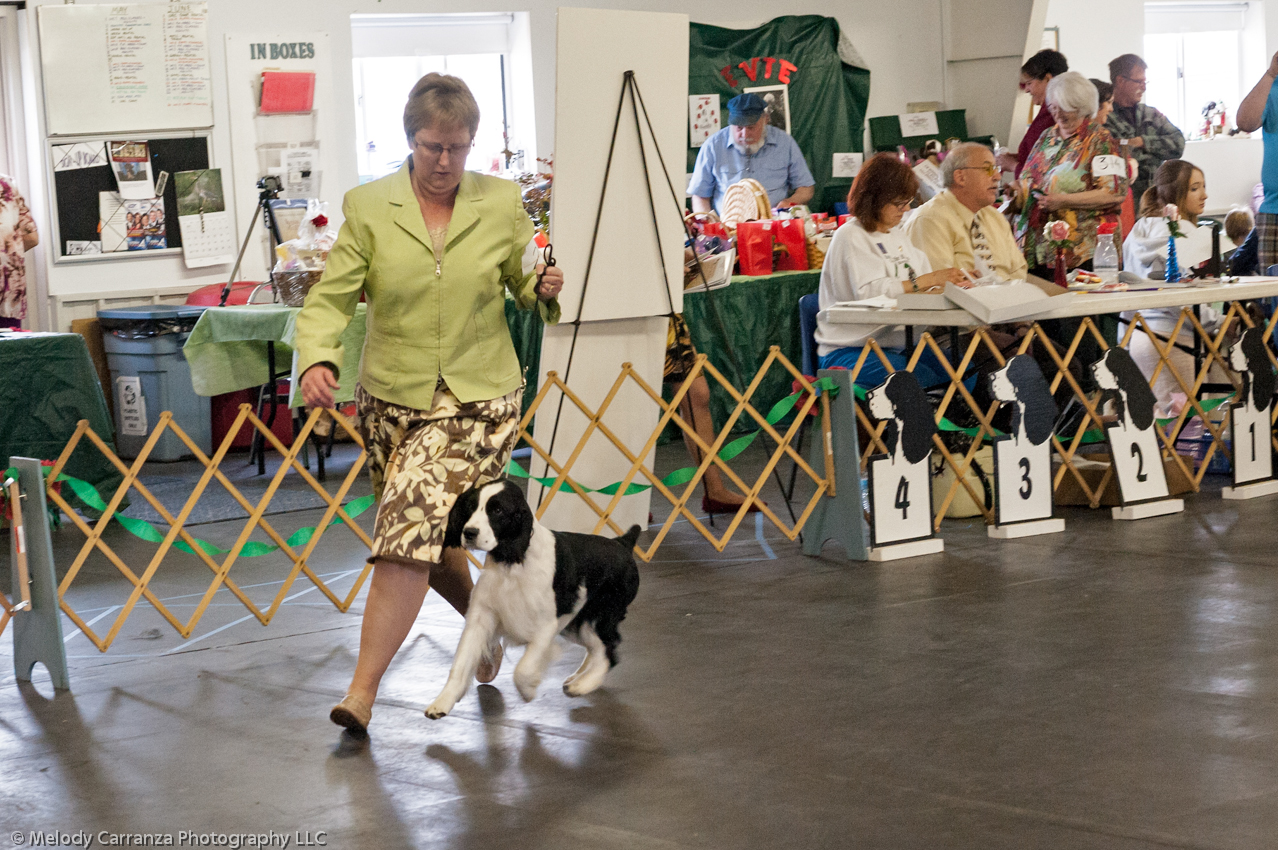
(1172, 214)
(1056, 234)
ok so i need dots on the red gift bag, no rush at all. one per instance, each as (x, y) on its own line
(788, 233)
(754, 247)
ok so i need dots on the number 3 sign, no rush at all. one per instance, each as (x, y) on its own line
(1023, 458)
(900, 481)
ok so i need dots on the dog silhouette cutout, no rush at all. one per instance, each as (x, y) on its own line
(900, 481)
(1023, 458)
(1133, 440)
(1251, 412)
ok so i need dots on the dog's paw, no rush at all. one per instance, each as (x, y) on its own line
(579, 686)
(527, 686)
(438, 709)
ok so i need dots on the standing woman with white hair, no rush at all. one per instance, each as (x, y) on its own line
(1075, 174)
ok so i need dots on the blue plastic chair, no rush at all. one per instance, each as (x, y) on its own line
(809, 305)
(1272, 271)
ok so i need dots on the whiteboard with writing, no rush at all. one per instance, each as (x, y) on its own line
(126, 68)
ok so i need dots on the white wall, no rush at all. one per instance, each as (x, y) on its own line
(1095, 31)
(901, 42)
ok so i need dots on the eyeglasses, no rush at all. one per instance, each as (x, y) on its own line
(1024, 85)
(435, 151)
(901, 205)
(989, 168)
(1140, 82)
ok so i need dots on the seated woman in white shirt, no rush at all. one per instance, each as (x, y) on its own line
(1183, 185)
(871, 255)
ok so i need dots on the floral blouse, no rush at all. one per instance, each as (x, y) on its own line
(15, 221)
(1062, 166)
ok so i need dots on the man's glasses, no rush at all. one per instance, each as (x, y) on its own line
(435, 151)
(989, 168)
(1140, 82)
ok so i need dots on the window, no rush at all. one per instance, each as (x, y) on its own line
(392, 52)
(1201, 53)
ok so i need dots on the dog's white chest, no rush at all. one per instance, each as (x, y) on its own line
(521, 597)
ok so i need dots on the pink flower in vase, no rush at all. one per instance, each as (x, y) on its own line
(1056, 232)
(1171, 211)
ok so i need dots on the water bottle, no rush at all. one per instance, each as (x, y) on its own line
(1105, 260)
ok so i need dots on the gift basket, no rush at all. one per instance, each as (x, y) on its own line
(300, 262)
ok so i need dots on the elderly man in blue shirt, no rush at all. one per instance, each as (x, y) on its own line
(750, 147)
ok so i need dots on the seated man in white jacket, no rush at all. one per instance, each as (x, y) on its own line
(1181, 185)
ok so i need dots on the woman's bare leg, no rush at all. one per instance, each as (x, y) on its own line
(395, 598)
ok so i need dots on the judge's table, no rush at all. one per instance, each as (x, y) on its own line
(49, 385)
(1209, 345)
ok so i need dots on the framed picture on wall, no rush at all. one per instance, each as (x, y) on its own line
(1051, 38)
(778, 100)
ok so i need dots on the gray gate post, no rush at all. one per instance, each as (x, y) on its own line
(839, 518)
(37, 631)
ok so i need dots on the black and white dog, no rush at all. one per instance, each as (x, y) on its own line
(537, 584)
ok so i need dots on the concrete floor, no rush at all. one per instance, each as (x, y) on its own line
(1112, 687)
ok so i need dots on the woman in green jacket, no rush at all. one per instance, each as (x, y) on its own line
(434, 249)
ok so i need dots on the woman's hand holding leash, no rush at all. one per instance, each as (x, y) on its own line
(550, 280)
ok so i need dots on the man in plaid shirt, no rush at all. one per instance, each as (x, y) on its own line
(1150, 138)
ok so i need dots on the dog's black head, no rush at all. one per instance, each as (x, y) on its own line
(494, 518)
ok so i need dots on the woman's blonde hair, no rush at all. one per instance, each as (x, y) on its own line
(1170, 186)
(438, 99)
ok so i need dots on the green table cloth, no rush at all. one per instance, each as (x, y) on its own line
(227, 347)
(757, 313)
(49, 384)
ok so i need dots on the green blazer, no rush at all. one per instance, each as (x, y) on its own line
(427, 316)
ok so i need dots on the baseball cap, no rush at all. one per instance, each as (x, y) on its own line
(745, 109)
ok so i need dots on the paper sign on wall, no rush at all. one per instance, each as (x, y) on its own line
(703, 117)
(79, 155)
(847, 164)
(130, 406)
(918, 124)
(131, 162)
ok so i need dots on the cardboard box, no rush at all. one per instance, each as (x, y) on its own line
(997, 304)
(1093, 468)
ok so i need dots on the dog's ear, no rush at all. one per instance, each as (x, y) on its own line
(462, 510)
(514, 532)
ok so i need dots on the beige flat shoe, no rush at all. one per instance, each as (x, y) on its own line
(488, 670)
(353, 714)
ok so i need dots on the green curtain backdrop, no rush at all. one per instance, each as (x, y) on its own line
(827, 97)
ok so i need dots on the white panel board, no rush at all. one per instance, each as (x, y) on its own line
(126, 68)
(602, 348)
(257, 140)
(595, 49)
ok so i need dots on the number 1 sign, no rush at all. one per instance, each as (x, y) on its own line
(900, 481)
(1023, 458)
(1253, 456)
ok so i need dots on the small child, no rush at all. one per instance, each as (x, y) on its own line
(1240, 227)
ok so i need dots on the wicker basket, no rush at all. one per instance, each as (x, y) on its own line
(293, 286)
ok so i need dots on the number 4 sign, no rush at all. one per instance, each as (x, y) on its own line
(901, 480)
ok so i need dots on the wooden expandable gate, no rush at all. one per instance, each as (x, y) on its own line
(220, 563)
(1068, 364)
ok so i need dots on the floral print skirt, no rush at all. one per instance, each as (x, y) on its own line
(420, 461)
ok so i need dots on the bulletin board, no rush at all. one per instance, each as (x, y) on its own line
(76, 193)
(125, 68)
